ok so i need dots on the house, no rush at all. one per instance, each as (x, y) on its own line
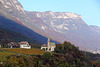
(11, 45)
(24, 44)
(50, 46)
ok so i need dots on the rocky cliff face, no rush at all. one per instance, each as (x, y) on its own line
(13, 17)
(63, 26)
(13, 10)
(95, 28)
(59, 26)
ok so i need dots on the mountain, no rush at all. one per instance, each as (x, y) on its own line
(8, 35)
(12, 25)
(63, 26)
(95, 28)
(58, 26)
(13, 17)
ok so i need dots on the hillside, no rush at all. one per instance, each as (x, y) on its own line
(8, 36)
(32, 51)
(65, 55)
(62, 26)
(58, 26)
(13, 17)
(4, 53)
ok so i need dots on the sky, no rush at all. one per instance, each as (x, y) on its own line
(88, 9)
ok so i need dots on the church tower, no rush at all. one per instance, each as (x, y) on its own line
(48, 44)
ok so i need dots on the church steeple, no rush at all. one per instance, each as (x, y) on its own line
(48, 44)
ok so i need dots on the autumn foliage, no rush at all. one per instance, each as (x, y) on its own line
(65, 55)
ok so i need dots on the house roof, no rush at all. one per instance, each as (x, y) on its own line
(23, 42)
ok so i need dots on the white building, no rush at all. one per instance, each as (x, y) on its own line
(44, 47)
(25, 44)
(52, 46)
(49, 47)
(11, 44)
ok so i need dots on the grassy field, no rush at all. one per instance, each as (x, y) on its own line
(25, 51)
(4, 52)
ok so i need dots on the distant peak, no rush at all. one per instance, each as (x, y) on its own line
(48, 12)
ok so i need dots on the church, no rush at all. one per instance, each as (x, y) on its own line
(50, 46)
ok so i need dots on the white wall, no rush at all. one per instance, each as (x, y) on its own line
(25, 46)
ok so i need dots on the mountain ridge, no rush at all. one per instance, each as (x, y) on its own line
(59, 26)
(14, 12)
(67, 28)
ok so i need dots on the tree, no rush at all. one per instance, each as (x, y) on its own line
(12, 61)
(47, 65)
(59, 48)
(46, 55)
(66, 64)
(21, 62)
(61, 65)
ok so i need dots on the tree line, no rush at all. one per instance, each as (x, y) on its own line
(65, 55)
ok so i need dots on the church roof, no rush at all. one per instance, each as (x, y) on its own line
(52, 44)
(44, 45)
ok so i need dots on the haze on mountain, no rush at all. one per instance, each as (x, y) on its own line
(58, 26)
